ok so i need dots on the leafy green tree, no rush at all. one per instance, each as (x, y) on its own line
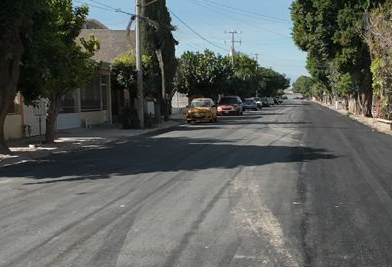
(303, 85)
(329, 31)
(244, 81)
(16, 24)
(159, 44)
(271, 81)
(378, 37)
(57, 62)
(124, 75)
(203, 74)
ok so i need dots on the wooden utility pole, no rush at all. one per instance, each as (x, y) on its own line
(139, 69)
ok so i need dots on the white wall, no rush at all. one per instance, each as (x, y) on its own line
(13, 126)
(69, 121)
(31, 118)
(179, 100)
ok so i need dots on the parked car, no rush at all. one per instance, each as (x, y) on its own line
(265, 102)
(284, 97)
(250, 104)
(230, 105)
(259, 104)
(202, 109)
(278, 100)
(271, 101)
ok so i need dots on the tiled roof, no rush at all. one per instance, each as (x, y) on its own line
(112, 43)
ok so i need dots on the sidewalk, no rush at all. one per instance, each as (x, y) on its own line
(370, 122)
(70, 140)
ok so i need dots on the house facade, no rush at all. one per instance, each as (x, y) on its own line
(88, 106)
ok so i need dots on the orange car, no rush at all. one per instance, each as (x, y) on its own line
(202, 109)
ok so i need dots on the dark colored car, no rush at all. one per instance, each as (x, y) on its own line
(250, 104)
(278, 100)
(230, 105)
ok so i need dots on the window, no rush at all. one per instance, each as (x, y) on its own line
(104, 91)
(91, 96)
(69, 103)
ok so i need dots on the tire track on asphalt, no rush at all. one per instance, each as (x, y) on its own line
(172, 183)
(177, 252)
(84, 218)
(179, 154)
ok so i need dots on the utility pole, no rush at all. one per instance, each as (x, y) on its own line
(233, 42)
(256, 57)
(139, 69)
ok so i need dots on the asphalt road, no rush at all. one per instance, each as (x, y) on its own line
(292, 185)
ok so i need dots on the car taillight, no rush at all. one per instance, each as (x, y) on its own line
(219, 108)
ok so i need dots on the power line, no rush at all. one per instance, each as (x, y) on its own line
(91, 5)
(195, 32)
(118, 10)
(224, 15)
(244, 12)
(102, 4)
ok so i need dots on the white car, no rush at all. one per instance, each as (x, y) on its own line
(270, 101)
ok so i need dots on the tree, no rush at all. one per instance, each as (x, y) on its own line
(271, 81)
(245, 79)
(203, 74)
(329, 31)
(303, 85)
(16, 23)
(58, 62)
(159, 44)
(209, 75)
(379, 39)
(124, 75)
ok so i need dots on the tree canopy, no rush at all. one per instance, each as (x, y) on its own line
(16, 24)
(208, 74)
(57, 61)
(159, 44)
(330, 32)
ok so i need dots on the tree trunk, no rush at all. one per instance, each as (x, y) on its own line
(157, 108)
(367, 104)
(4, 149)
(51, 118)
(9, 74)
(165, 107)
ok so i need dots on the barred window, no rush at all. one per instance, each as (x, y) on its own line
(91, 96)
(69, 102)
(104, 91)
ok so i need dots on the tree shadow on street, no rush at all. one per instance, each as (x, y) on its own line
(161, 154)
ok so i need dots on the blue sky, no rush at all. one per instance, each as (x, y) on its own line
(265, 27)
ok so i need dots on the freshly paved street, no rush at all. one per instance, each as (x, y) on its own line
(291, 185)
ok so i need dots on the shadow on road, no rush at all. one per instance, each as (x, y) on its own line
(150, 155)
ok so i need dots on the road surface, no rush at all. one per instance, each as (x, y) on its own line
(291, 185)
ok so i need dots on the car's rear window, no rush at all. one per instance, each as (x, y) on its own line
(200, 103)
(228, 100)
